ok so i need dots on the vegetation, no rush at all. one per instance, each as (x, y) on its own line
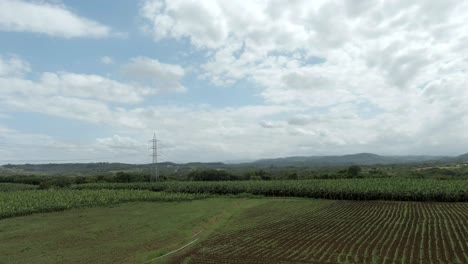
(211, 175)
(348, 189)
(319, 231)
(279, 230)
(125, 233)
(223, 172)
(27, 202)
(5, 187)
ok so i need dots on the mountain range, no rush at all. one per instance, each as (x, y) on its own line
(297, 161)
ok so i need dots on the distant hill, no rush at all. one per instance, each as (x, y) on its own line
(70, 167)
(298, 161)
(353, 159)
(461, 158)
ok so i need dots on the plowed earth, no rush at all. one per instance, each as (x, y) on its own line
(317, 231)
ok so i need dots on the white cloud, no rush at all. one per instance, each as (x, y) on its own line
(13, 66)
(166, 77)
(388, 69)
(106, 60)
(74, 85)
(122, 143)
(88, 87)
(48, 18)
(335, 77)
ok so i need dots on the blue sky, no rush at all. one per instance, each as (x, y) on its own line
(220, 80)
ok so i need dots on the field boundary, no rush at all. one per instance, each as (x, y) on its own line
(177, 250)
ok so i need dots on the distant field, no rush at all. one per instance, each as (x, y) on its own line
(16, 203)
(318, 231)
(396, 189)
(6, 187)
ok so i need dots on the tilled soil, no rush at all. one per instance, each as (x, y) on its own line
(317, 231)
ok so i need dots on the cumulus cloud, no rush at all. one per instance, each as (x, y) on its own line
(334, 77)
(48, 18)
(89, 87)
(389, 69)
(13, 66)
(74, 85)
(166, 77)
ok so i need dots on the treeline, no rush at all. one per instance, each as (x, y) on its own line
(73, 167)
(222, 175)
(48, 181)
(45, 182)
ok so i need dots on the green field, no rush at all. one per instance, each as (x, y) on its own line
(124, 233)
(323, 231)
(359, 221)
(242, 230)
(397, 189)
(6, 187)
(27, 202)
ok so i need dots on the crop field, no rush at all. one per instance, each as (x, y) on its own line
(337, 189)
(321, 231)
(133, 232)
(351, 225)
(6, 187)
(17, 203)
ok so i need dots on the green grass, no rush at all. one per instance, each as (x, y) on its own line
(27, 202)
(124, 233)
(397, 189)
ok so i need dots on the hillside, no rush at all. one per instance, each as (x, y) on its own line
(297, 161)
(353, 159)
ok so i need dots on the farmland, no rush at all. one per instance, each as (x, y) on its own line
(341, 189)
(27, 202)
(235, 229)
(5, 187)
(363, 220)
(317, 231)
(121, 233)
(241, 230)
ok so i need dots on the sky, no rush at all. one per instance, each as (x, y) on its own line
(92, 81)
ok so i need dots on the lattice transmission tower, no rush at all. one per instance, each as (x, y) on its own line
(154, 164)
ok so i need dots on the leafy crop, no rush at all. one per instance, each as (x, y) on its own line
(341, 189)
(27, 202)
(5, 187)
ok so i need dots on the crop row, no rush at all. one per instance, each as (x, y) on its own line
(338, 189)
(27, 202)
(340, 232)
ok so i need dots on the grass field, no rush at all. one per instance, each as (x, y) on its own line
(242, 230)
(318, 231)
(124, 233)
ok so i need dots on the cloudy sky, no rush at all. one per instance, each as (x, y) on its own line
(231, 80)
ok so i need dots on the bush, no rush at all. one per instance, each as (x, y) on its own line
(211, 175)
(292, 176)
(354, 171)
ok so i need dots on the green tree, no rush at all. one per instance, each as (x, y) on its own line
(292, 176)
(354, 171)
